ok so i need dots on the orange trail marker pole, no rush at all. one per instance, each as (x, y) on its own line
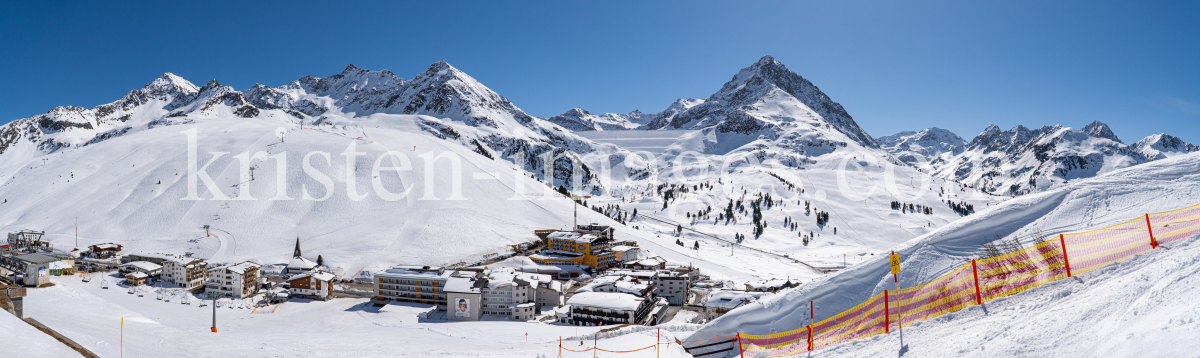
(975, 271)
(1153, 242)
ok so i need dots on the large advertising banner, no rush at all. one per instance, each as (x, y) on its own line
(462, 307)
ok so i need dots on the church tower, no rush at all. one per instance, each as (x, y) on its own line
(297, 254)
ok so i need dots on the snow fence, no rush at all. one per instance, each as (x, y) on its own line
(982, 280)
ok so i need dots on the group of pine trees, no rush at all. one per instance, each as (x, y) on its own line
(669, 192)
(911, 208)
(822, 218)
(613, 211)
(962, 208)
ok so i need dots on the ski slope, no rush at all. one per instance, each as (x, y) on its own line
(131, 191)
(1082, 205)
(1141, 307)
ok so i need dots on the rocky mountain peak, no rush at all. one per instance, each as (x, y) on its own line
(762, 96)
(351, 69)
(1100, 130)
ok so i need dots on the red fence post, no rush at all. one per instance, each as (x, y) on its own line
(887, 315)
(1153, 242)
(741, 353)
(810, 338)
(978, 295)
(1066, 259)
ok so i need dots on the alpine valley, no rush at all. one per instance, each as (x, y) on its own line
(768, 161)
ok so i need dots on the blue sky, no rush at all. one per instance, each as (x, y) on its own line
(959, 65)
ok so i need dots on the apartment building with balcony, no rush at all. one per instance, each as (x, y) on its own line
(186, 272)
(237, 281)
(414, 284)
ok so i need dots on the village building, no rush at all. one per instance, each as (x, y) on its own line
(626, 253)
(104, 251)
(510, 294)
(622, 283)
(299, 264)
(549, 294)
(652, 263)
(149, 268)
(606, 308)
(36, 267)
(186, 272)
(415, 284)
(577, 248)
(237, 281)
(136, 278)
(675, 286)
(315, 284)
(464, 296)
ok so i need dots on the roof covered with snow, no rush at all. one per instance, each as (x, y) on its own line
(144, 265)
(767, 284)
(609, 300)
(316, 274)
(576, 237)
(239, 268)
(416, 272)
(461, 285)
(623, 248)
(106, 246)
(301, 263)
(728, 299)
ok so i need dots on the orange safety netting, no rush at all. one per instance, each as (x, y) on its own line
(984, 280)
(1175, 224)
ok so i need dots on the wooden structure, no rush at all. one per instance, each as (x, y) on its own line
(104, 251)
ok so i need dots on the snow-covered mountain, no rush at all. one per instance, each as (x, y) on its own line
(1023, 160)
(768, 99)
(1160, 146)
(922, 147)
(578, 119)
(451, 104)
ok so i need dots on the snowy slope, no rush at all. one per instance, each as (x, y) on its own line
(136, 198)
(1141, 307)
(1081, 205)
(32, 342)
